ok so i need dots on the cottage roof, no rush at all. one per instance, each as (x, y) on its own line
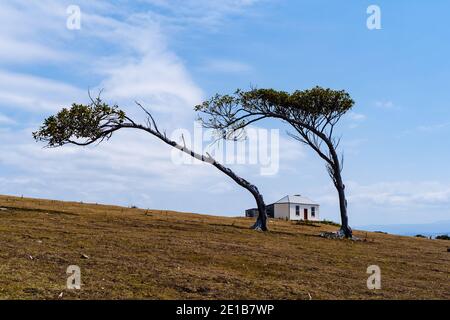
(297, 199)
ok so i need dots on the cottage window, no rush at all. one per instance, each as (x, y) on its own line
(297, 210)
(313, 211)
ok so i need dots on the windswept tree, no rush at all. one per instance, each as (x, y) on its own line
(313, 114)
(83, 125)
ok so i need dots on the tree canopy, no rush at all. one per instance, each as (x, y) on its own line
(85, 124)
(88, 122)
(312, 113)
(315, 108)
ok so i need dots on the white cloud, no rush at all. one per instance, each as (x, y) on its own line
(35, 93)
(357, 116)
(6, 120)
(31, 32)
(388, 202)
(225, 66)
(130, 160)
(136, 66)
(401, 194)
(126, 55)
(433, 127)
(15, 51)
(355, 119)
(221, 187)
(159, 80)
(205, 13)
(385, 104)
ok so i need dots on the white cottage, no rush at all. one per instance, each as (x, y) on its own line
(294, 207)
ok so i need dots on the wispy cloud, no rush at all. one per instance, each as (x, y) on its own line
(433, 127)
(353, 146)
(131, 161)
(24, 28)
(225, 66)
(357, 116)
(117, 49)
(389, 202)
(37, 94)
(6, 120)
(404, 194)
(355, 119)
(209, 14)
(385, 104)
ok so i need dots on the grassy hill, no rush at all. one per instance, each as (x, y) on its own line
(133, 253)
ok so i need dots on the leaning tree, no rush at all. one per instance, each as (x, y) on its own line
(313, 114)
(83, 125)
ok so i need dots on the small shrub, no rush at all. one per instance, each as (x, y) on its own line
(420, 236)
(328, 222)
(443, 237)
(306, 223)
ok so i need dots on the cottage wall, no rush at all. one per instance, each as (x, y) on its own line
(293, 212)
(281, 210)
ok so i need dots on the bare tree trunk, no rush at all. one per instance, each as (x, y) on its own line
(335, 169)
(333, 165)
(340, 187)
(345, 228)
(110, 120)
(261, 221)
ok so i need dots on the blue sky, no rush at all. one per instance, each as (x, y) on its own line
(171, 55)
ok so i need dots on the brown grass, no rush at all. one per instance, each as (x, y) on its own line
(135, 254)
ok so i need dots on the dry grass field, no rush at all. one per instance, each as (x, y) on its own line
(138, 254)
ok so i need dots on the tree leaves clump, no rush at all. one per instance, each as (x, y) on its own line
(88, 122)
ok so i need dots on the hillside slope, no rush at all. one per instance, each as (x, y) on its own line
(132, 253)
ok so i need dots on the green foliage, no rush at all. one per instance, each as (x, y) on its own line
(315, 109)
(88, 122)
(443, 237)
(313, 103)
(329, 222)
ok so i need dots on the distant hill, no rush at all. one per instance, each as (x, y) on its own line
(126, 253)
(429, 229)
